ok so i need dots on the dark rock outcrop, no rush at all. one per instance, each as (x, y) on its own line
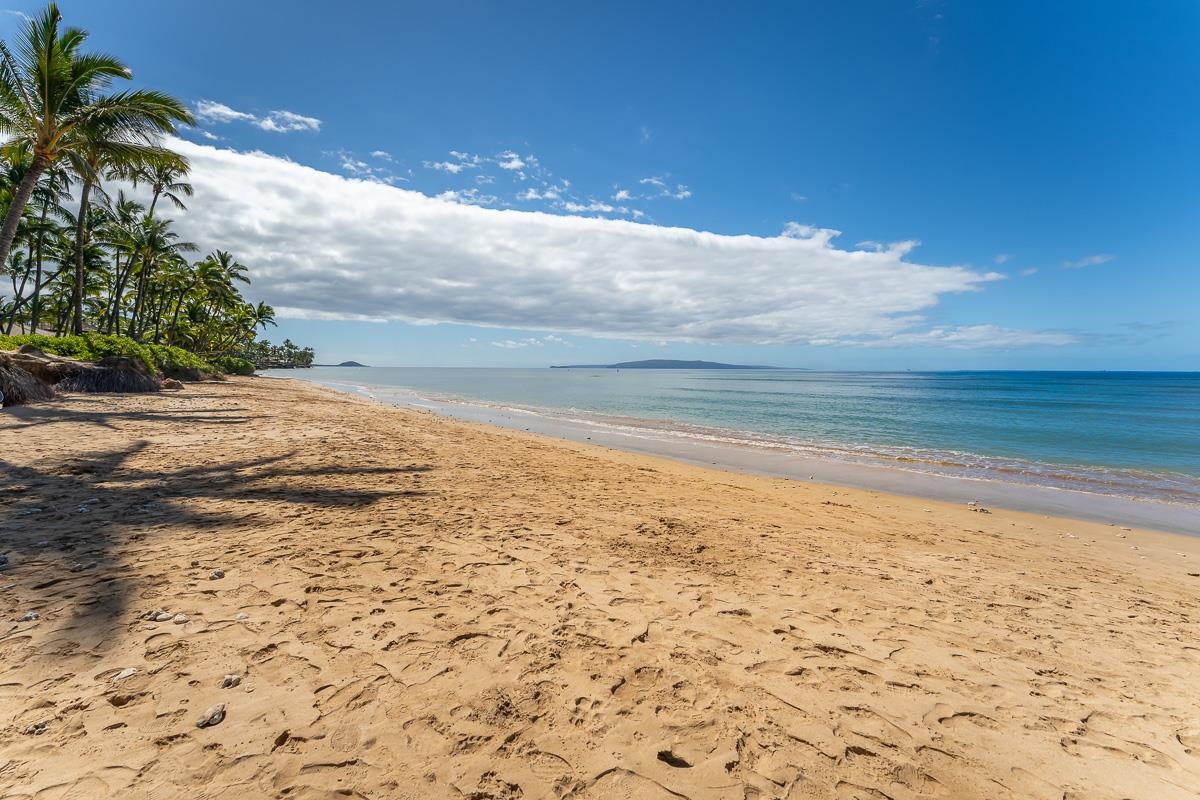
(31, 375)
(19, 386)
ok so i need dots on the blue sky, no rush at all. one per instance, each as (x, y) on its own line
(1044, 155)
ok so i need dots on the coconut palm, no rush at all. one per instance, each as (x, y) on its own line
(154, 244)
(49, 89)
(165, 177)
(99, 153)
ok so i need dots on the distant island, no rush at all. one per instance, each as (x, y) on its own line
(343, 364)
(662, 363)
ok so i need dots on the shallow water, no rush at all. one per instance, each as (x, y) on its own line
(1130, 435)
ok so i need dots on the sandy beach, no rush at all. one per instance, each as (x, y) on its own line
(408, 606)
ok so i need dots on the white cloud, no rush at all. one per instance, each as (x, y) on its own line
(594, 205)
(462, 161)
(1025, 273)
(549, 193)
(1000, 259)
(210, 111)
(470, 197)
(1089, 261)
(680, 192)
(382, 155)
(622, 195)
(973, 337)
(320, 245)
(799, 198)
(285, 121)
(532, 341)
(357, 168)
(277, 121)
(510, 161)
(647, 135)
(453, 167)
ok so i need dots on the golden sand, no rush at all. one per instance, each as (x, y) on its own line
(422, 608)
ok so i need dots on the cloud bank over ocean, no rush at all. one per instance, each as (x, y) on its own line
(324, 246)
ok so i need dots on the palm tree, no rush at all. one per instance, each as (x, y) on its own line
(49, 195)
(49, 89)
(119, 237)
(264, 315)
(153, 244)
(165, 177)
(98, 152)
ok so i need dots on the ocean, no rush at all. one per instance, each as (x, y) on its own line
(1122, 434)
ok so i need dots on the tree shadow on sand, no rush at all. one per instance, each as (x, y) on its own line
(63, 525)
(31, 416)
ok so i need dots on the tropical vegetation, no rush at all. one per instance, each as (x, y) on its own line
(160, 360)
(86, 246)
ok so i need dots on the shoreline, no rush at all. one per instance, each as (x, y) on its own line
(1025, 497)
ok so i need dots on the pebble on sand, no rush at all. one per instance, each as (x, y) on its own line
(180, 618)
(128, 672)
(3, 561)
(162, 616)
(216, 575)
(242, 615)
(212, 716)
(31, 616)
(230, 681)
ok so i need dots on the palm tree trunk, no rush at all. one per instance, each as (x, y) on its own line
(135, 323)
(122, 279)
(9, 231)
(35, 311)
(158, 315)
(80, 231)
(175, 319)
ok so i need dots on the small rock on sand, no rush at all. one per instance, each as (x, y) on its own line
(212, 716)
(3, 561)
(31, 616)
(230, 681)
(179, 619)
(216, 575)
(128, 672)
(162, 616)
(171, 384)
(242, 615)
(80, 566)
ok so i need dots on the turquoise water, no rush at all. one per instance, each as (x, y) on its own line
(1125, 434)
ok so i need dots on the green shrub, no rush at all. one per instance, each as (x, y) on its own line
(232, 365)
(175, 362)
(161, 360)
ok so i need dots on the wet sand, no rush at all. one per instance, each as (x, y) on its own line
(420, 607)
